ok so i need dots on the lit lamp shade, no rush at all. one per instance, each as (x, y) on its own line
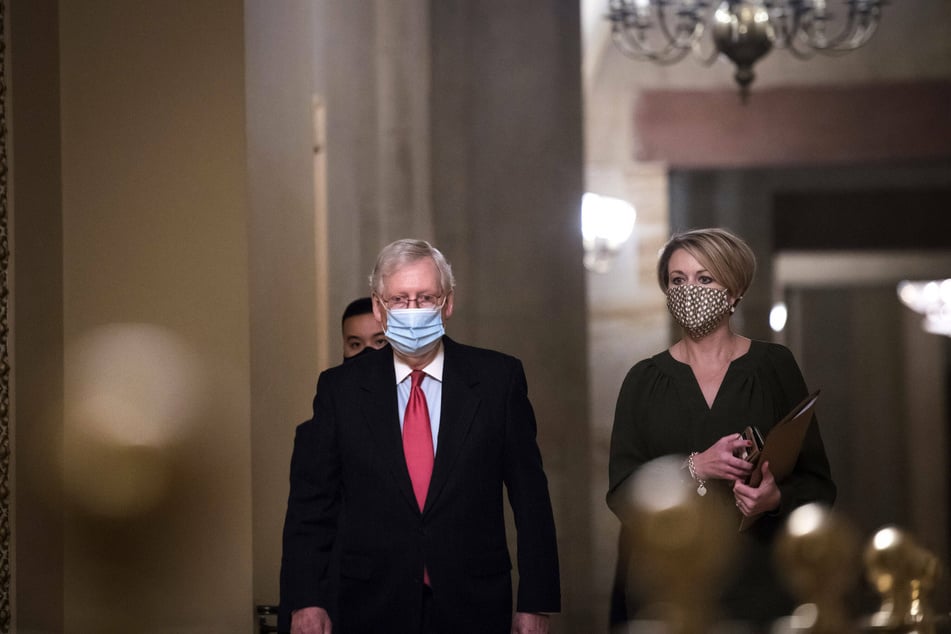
(931, 299)
(606, 224)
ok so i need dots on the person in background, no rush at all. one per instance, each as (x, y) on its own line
(404, 467)
(695, 398)
(360, 330)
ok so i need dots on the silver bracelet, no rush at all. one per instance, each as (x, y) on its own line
(702, 485)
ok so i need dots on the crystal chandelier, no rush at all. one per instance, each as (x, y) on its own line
(666, 31)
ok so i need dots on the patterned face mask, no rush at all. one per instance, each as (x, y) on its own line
(698, 309)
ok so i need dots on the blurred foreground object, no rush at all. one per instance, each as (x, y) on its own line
(683, 544)
(133, 391)
(817, 553)
(904, 575)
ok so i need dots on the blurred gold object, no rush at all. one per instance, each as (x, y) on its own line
(683, 544)
(904, 574)
(817, 553)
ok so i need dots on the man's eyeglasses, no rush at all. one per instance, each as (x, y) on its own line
(403, 301)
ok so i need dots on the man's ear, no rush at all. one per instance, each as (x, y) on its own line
(447, 307)
(378, 312)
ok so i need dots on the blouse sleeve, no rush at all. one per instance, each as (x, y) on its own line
(628, 446)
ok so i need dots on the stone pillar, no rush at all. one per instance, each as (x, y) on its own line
(507, 174)
(402, 106)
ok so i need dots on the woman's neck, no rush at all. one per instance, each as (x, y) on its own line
(719, 347)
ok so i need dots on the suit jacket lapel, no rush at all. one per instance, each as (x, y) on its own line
(460, 402)
(380, 413)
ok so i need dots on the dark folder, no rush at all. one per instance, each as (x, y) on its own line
(782, 446)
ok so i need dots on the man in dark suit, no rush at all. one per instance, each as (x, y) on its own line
(402, 469)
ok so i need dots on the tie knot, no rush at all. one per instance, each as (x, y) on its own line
(417, 378)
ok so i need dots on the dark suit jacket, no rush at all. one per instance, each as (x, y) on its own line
(350, 490)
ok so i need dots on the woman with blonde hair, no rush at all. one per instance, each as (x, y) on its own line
(695, 398)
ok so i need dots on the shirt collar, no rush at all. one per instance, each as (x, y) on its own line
(434, 369)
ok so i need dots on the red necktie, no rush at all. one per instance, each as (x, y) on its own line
(418, 444)
(418, 439)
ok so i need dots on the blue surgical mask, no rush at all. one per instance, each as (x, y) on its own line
(414, 331)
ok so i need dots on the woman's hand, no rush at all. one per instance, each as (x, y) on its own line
(762, 499)
(721, 460)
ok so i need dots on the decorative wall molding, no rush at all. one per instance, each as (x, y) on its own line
(804, 125)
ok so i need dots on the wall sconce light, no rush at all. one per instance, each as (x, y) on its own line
(933, 300)
(777, 316)
(606, 224)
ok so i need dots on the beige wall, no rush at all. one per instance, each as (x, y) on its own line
(155, 428)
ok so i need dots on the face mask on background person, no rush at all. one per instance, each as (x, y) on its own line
(414, 331)
(365, 351)
(698, 309)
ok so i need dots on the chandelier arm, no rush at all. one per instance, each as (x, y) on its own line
(706, 59)
(629, 46)
(630, 24)
(859, 28)
(670, 44)
(863, 34)
(834, 43)
(800, 50)
(784, 26)
(671, 37)
(800, 45)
